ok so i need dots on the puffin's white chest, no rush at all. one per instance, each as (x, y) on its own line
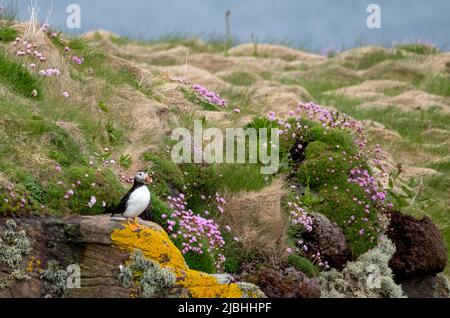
(137, 202)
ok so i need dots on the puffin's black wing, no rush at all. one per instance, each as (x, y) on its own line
(122, 206)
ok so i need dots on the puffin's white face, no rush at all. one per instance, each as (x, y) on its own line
(141, 177)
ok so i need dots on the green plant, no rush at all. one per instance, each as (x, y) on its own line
(55, 278)
(125, 161)
(303, 264)
(18, 79)
(7, 34)
(115, 134)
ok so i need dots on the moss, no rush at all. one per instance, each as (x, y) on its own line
(321, 170)
(340, 207)
(156, 245)
(303, 264)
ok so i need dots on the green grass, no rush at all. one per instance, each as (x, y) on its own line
(417, 48)
(372, 58)
(240, 78)
(303, 264)
(411, 125)
(7, 34)
(17, 77)
(437, 84)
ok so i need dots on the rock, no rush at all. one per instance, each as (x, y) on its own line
(428, 286)
(328, 238)
(287, 283)
(100, 246)
(420, 248)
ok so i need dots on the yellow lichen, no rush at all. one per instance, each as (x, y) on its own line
(156, 245)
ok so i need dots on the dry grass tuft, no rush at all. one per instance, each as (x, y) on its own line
(258, 219)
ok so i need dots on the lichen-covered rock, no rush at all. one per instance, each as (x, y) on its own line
(113, 260)
(420, 247)
(428, 286)
(285, 283)
(367, 277)
(329, 239)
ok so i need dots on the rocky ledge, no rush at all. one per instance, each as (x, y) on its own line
(41, 257)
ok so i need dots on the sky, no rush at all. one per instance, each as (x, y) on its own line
(312, 24)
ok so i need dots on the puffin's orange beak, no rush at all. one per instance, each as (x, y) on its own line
(149, 180)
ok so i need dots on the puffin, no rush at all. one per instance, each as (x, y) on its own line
(136, 200)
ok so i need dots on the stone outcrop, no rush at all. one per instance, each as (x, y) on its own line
(100, 246)
(329, 239)
(420, 247)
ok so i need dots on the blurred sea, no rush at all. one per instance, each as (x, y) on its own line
(314, 24)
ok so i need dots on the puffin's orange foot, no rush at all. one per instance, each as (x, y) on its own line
(133, 227)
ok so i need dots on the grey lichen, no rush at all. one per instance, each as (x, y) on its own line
(250, 290)
(367, 277)
(13, 247)
(147, 276)
(55, 278)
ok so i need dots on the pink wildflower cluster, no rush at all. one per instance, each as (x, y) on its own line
(49, 72)
(209, 96)
(77, 60)
(303, 248)
(201, 91)
(300, 216)
(92, 201)
(15, 200)
(328, 118)
(368, 183)
(194, 229)
(26, 48)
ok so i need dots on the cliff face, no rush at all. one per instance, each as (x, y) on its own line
(113, 262)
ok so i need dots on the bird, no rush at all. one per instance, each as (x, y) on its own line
(136, 200)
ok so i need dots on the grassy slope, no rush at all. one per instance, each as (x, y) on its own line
(40, 142)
